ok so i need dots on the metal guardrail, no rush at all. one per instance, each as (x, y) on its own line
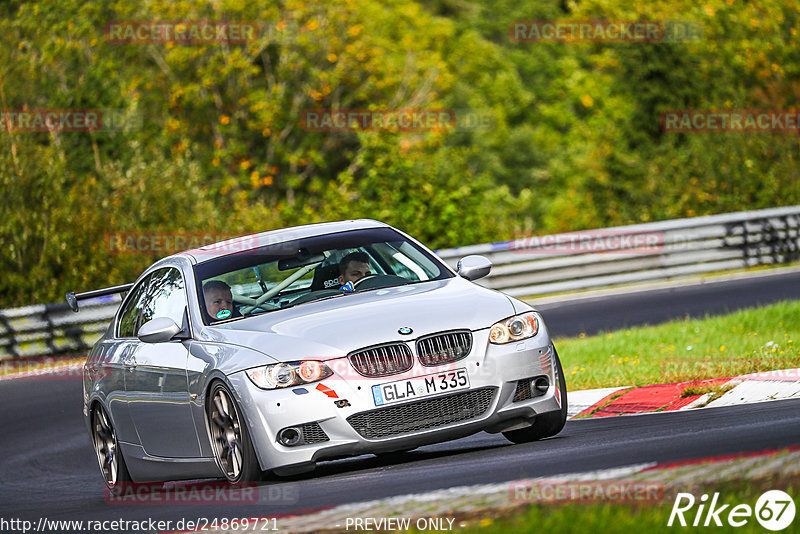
(51, 329)
(532, 265)
(537, 265)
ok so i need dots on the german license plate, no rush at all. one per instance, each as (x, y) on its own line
(415, 388)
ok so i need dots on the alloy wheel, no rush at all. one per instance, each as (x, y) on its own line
(105, 445)
(226, 433)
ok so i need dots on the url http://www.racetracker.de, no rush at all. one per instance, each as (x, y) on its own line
(46, 526)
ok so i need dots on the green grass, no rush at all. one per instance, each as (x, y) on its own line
(746, 341)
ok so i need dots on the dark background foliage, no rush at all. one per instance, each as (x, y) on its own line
(214, 143)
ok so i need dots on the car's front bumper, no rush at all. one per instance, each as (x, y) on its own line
(494, 371)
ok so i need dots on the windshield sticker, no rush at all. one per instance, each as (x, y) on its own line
(223, 314)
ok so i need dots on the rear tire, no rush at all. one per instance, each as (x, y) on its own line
(106, 446)
(548, 424)
(230, 440)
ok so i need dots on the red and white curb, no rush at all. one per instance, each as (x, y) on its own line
(761, 387)
(745, 389)
(583, 401)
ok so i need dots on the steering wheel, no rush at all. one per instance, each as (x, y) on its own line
(365, 277)
(379, 281)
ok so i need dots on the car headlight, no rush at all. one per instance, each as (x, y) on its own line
(514, 328)
(287, 374)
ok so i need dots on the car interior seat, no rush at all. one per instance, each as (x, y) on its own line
(326, 277)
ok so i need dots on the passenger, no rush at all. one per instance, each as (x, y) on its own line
(352, 268)
(219, 301)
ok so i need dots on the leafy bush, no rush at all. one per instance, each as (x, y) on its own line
(214, 138)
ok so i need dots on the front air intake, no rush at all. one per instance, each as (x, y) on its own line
(531, 387)
(382, 360)
(446, 347)
(422, 415)
(306, 434)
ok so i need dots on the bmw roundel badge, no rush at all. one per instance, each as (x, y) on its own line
(405, 330)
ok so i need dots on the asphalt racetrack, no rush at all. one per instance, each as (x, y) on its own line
(655, 306)
(48, 468)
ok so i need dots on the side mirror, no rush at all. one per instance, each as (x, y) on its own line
(158, 330)
(473, 267)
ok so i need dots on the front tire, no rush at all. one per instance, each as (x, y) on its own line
(106, 446)
(230, 440)
(548, 424)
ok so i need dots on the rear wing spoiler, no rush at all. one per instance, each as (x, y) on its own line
(73, 298)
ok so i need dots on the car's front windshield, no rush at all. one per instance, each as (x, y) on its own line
(297, 272)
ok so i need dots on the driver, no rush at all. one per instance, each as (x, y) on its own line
(352, 268)
(219, 301)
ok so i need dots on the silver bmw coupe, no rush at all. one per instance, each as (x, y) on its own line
(271, 352)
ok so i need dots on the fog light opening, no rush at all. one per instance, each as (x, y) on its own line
(541, 385)
(290, 436)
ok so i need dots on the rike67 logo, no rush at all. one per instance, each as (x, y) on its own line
(774, 510)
